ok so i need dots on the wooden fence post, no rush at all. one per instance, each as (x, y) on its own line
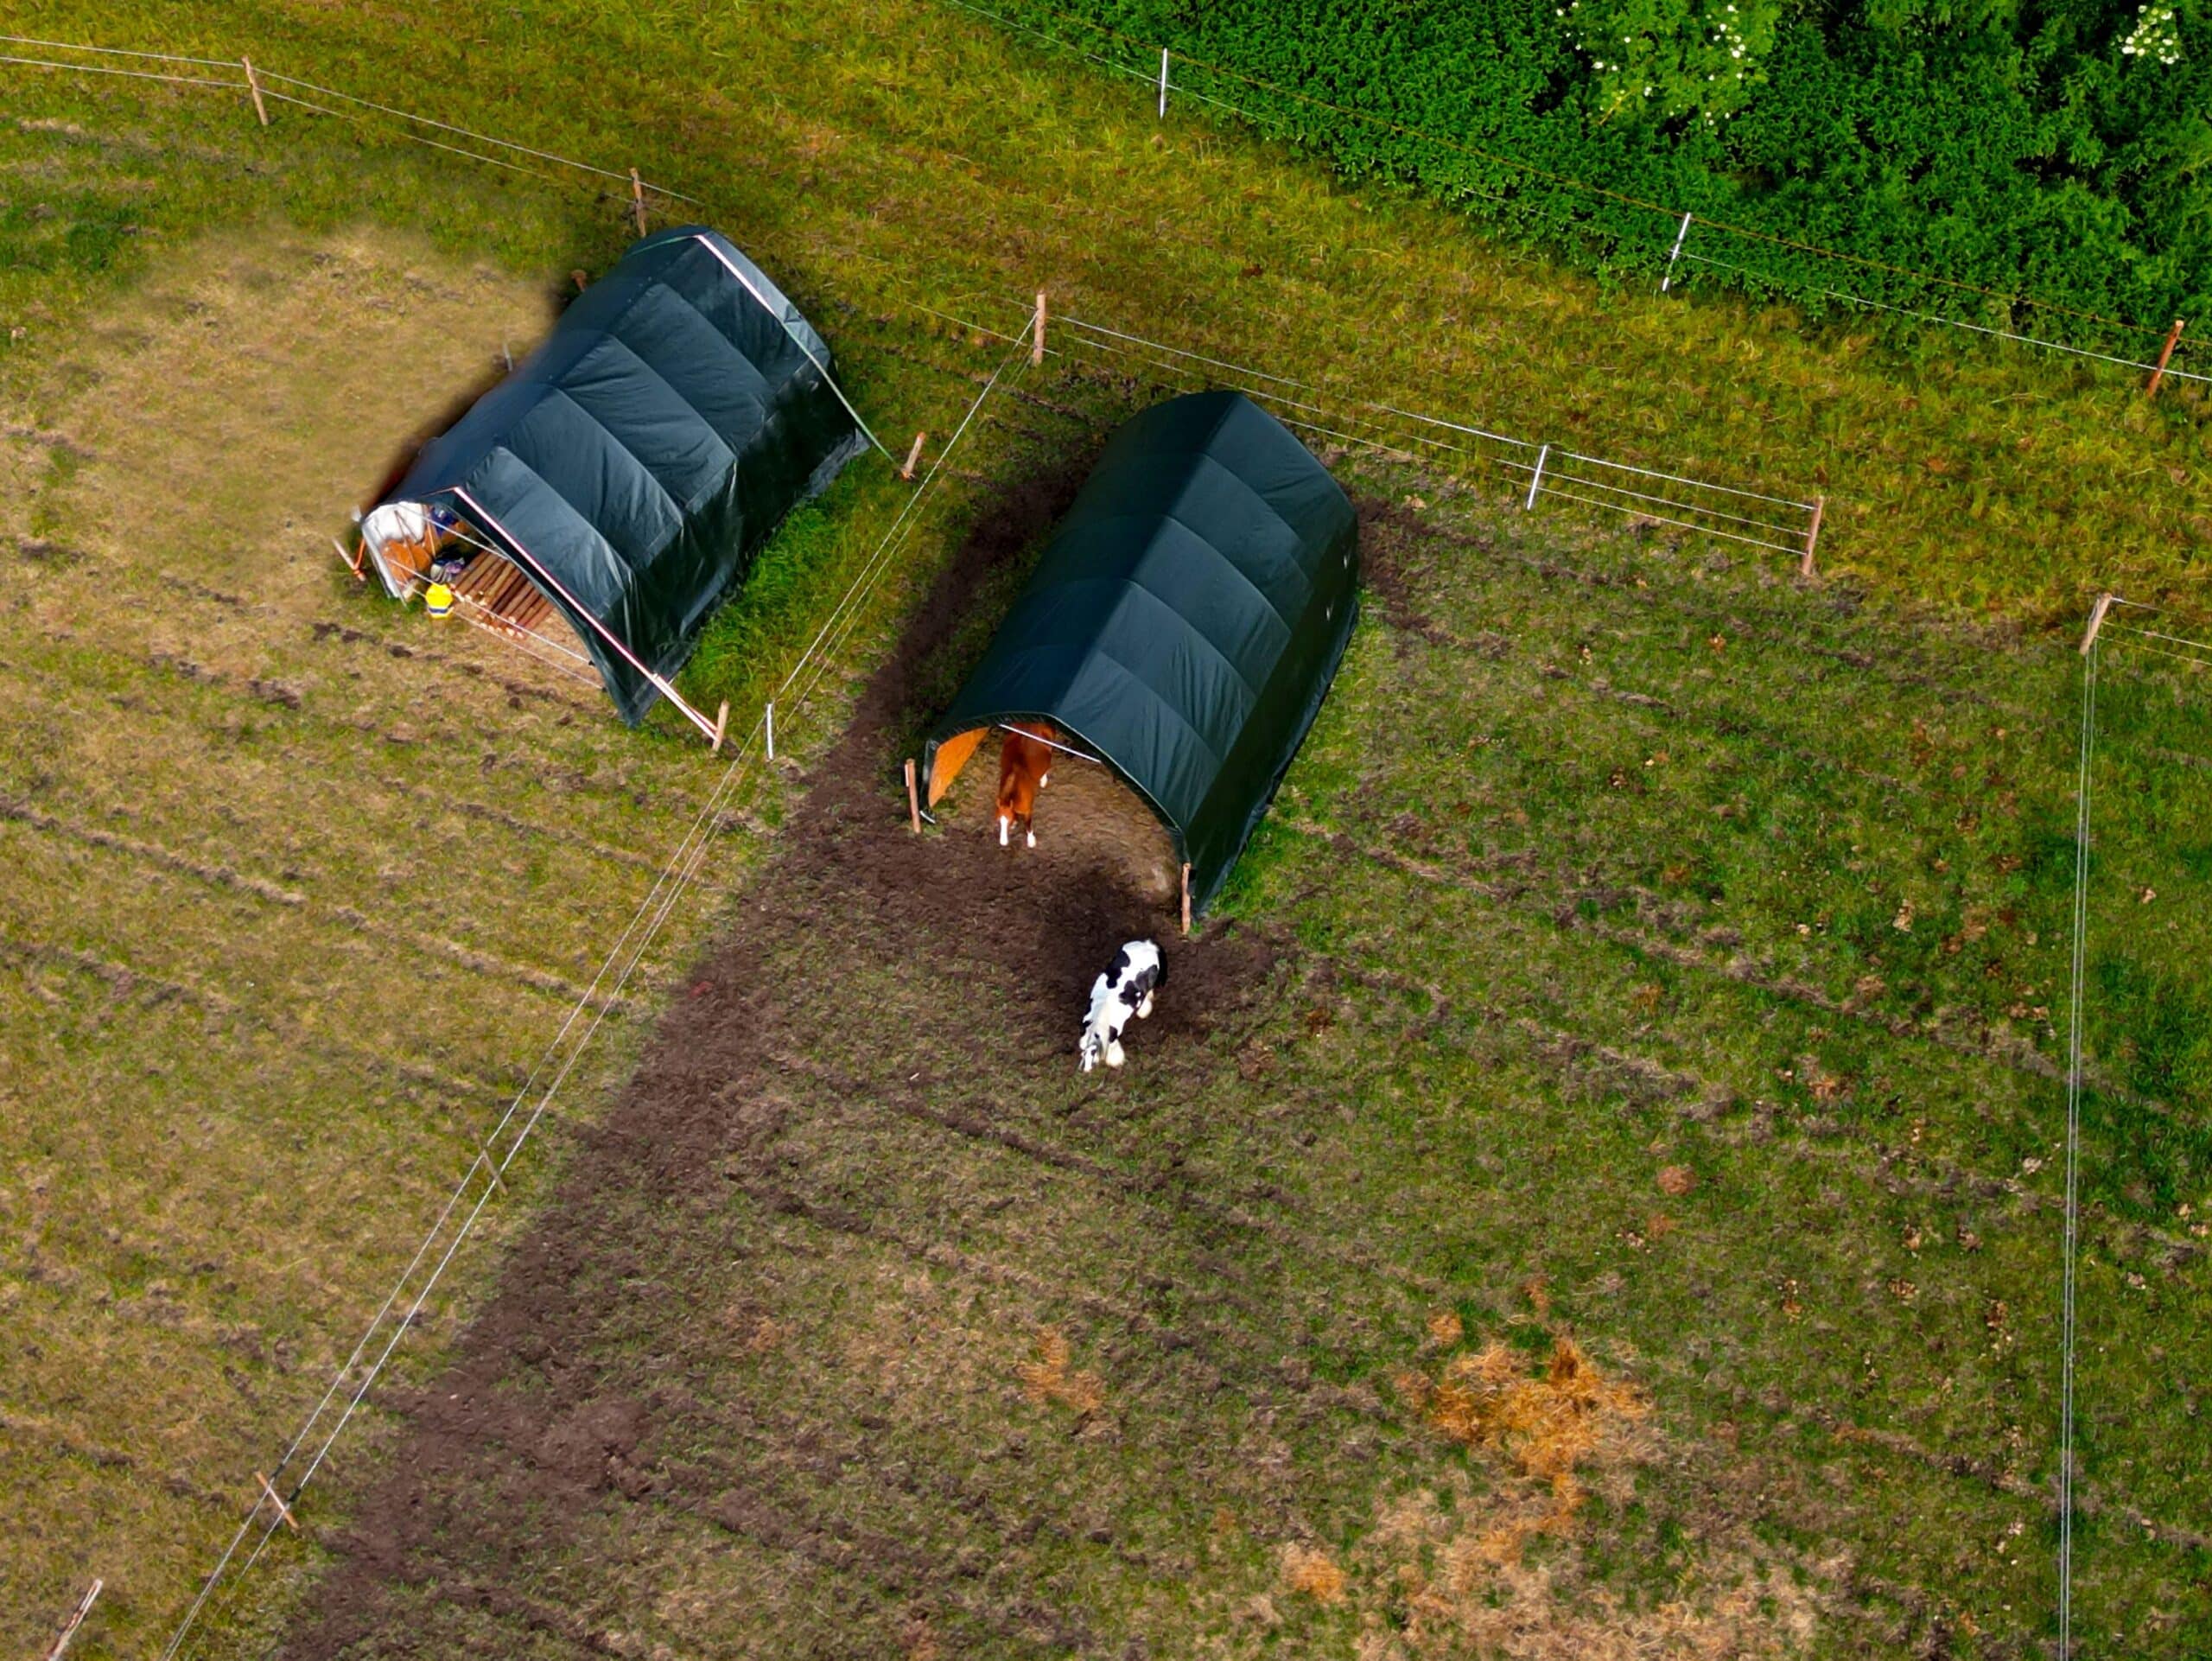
(1186, 899)
(721, 726)
(1037, 333)
(76, 1620)
(913, 455)
(913, 799)
(638, 200)
(253, 85)
(2165, 356)
(282, 1510)
(1812, 535)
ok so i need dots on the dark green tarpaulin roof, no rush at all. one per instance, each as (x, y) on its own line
(1184, 620)
(640, 457)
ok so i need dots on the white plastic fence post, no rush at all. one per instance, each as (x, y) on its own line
(1530, 505)
(1667, 281)
(772, 729)
(2096, 622)
(1163, 83)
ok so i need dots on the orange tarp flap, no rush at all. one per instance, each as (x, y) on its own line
(951, 756)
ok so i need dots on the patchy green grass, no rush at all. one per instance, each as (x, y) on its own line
(880, 151)
(245, 1058)
(1646, 955)
(303, 883)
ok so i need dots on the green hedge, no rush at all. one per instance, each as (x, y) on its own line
(2014, 150)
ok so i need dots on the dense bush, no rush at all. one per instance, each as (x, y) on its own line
(2053, 153)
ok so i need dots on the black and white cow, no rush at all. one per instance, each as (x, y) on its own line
(1122, 993)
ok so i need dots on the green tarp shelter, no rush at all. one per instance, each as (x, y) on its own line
(634, 463)
(1182, 625)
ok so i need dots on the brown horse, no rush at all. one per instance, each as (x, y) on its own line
(1025, 768)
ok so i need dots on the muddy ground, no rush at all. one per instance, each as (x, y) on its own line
(1536, 1230)
(889, 971)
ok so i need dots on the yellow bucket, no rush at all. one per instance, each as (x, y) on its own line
(438, 598)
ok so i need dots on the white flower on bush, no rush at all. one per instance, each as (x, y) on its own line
(1671, 59)
(2156, 35)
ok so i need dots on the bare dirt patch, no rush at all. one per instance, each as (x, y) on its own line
(895, 973)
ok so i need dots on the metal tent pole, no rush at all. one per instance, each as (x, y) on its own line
(659, 682)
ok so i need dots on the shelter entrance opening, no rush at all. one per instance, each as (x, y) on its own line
(1086, 818)
(1182, 626)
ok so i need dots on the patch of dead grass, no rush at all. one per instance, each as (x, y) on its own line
(1547, 1422)
(1047, 1379)
(1453, 1566)
(1313, 1573)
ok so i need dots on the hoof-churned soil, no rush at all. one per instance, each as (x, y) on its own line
(1599, 1211)
(874, 986)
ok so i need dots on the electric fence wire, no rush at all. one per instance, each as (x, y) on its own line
(630, 948)
(1167, 84)
(241, 85)
(1951, 322)
(1098, 337)
(1568, 183)
(2076, 1020)
(128, 74)
(2196, 652)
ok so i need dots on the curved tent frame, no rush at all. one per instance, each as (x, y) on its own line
(634, 463)
(1183, 625)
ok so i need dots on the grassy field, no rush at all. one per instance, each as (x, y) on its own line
(1808, 960)
(1595, 1192)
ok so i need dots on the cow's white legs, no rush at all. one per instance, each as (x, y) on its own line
(1005, 823)
(1114, 1056)
(1144, 1010)
(1042, 782)
(1033, 838)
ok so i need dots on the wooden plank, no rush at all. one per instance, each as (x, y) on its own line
(501, 593)
(276, 1499)
(76, 1620)
(2096, 622)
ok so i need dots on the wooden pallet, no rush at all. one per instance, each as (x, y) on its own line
(495, 592)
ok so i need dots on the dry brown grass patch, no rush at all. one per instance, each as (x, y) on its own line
(1315, 1573)
(1547, 1422)
(1048, 1379)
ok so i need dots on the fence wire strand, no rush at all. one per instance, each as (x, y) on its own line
(629, 950)
(238, 86)
(1952, 322)
(268, 76)
(121, 52)
(2075, 1021)
(1100, 337)
(1560, 179)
